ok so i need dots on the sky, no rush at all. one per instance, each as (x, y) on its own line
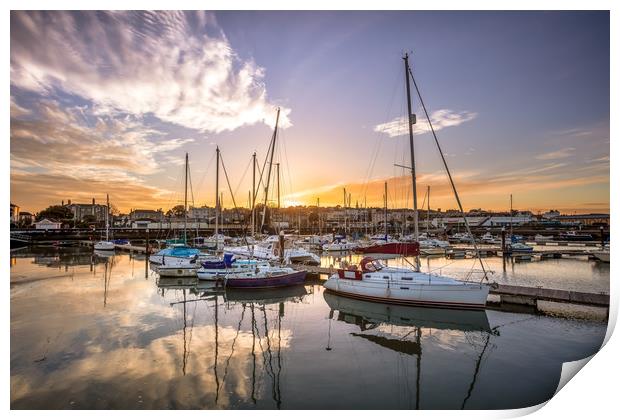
(110, 102)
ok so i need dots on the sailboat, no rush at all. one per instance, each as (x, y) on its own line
(179, 261)
(375, 282)
(106, 245)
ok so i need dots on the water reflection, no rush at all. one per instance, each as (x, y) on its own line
(104, 336)
(265, 310)
(370, 317)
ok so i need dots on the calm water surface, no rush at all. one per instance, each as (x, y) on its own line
(104, 332)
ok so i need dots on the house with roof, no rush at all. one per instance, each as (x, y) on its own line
(47, 224)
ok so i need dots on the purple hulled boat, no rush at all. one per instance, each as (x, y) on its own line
(266, 278)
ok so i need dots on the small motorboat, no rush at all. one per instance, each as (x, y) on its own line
(213, 270)
(572, 235)
(488, 238)
(178, 268)
(175, 251)
(542, 238)
(518, 247)
(339, 245)
(104, 246)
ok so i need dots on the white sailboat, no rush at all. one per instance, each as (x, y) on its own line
(106, 245)
(375, 282)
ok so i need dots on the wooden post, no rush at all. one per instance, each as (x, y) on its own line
(281, 238)
(503, 240)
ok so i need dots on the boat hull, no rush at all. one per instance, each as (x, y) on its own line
(177, 272)
(603, 256)
(396, 248)
(282, 280)
(104, 246)
(465, 296)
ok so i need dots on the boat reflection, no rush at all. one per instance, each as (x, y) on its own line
(256, 313)
(370, 317)
(276, 295)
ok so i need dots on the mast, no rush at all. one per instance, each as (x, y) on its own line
(365, 218)
(278, 181)
(411, 118)
(344, 192)
(445, 164)
(273, 146)
(185, 204)
(428, 208)
(217, 195)
(510, 218)
(253, 191)
(107, 217)
(318, 214)
(385, 211)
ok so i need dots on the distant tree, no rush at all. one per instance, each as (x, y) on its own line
(114, 211)
(55, 212)
(313, 217)
(176, 211)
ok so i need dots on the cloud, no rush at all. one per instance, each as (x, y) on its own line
(176, 66)
(441, 118)
(573, 132)
(601, 159)
(558, 154)
(55, 140)
(56, 155)
(40, 190)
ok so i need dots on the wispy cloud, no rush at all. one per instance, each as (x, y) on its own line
(573, 132)
(176, 66)
(601, 159)
(441, 118)
(557, 154)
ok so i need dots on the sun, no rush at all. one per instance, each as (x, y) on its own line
(293, 203)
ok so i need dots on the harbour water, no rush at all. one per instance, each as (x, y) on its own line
(92, 331)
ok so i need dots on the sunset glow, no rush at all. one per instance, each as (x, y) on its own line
(109, 102)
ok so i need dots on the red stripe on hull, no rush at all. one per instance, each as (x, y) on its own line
(405, 248)
(447, 305)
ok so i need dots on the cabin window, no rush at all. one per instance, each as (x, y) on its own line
(367, 276)
(405, 288)
(407, 278)
(386, 277)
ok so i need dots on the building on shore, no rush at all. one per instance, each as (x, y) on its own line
(144, 214)
(14, 213)
(591, 219)
(25, 218)
(95, 212)
(47, 224)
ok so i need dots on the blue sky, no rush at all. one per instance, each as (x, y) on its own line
(523, 98)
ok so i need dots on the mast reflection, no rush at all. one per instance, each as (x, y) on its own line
(370, 316)
(266, 309)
